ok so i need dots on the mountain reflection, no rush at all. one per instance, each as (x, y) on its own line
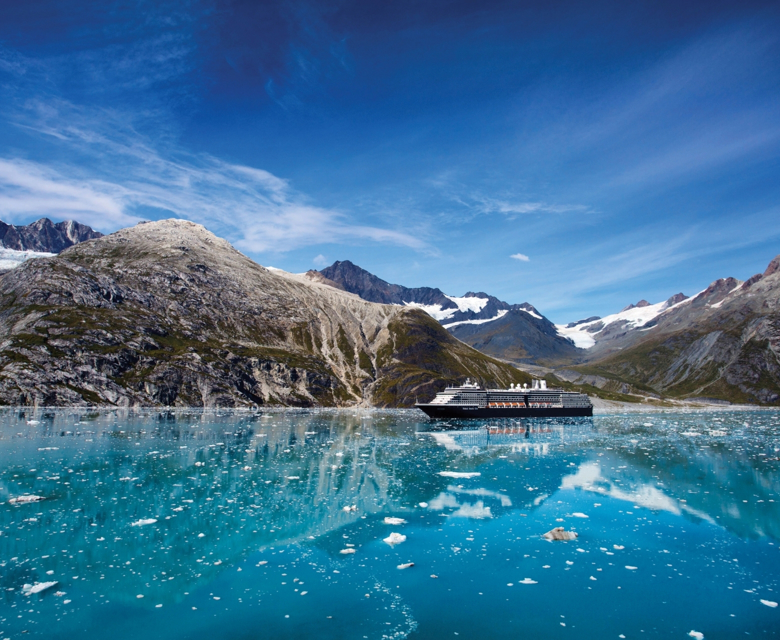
(223, 485)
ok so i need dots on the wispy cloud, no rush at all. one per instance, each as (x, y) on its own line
(320, 261)
(491, 205)
(114, 175)
(520, 256)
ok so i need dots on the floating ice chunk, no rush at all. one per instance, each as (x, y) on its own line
(395, 538)
(201, 535)
(630, 568)
(592, 578)
(143, 522)
(527, 581)
(38, 587)
(460, 474)
(247, 468)
(293, 477)
(352, 508)
(303, 593)
(559, 533)
(406, 565)
(769, 603)
(579, 514)
(347, 551)
(690, 433)
(424, 505)
(696, 634)
(25, 499)
(619, 547)
(396, 521)
(717, 432)
(33, 422)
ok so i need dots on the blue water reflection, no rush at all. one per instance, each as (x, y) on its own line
(230, 524)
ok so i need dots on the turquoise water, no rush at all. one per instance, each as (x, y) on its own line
(678, 517)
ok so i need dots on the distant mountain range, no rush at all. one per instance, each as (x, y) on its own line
(44, 236)
(514, 332)
(720, 344)
(723, 343)
(39, 239)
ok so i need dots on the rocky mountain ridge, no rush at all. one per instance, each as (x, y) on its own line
(44, 236)
(166, 313)
(723, 343)
(514, 332)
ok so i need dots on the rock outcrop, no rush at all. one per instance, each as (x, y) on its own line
(166, 313)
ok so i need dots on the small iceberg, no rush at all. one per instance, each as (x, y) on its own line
(579, 514)
(351, 509)
(696, 634)
(559, 533)
(25, 499)
(347, 551)
(527, 581)
(406, 565)
(459, 474)
(769, 603)
(143, 522)
(394, 539)
(38, 587)
(396, 521)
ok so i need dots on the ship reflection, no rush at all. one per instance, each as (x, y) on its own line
(484, 434)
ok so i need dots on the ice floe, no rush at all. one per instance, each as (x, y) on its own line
(394, 539)
(38, 587)
(143, 522)
(394, 521)
(460, 474)
(559, 533)
(25, 499)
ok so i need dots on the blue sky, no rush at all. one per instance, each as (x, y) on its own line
(578, 156)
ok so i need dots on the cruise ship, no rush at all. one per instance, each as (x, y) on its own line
(470, 400)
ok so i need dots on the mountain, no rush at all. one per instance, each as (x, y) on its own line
(166, 313)
(514, 332)
(723, 343)
(44, 236)
(520, 336)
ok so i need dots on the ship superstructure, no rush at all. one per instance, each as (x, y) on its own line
(470, 400)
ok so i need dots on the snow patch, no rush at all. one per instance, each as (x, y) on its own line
(433, 310)
(634, 318)
(531, 313)
(469, 304)
(501, 314)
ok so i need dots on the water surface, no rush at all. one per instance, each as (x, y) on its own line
(232, 525)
